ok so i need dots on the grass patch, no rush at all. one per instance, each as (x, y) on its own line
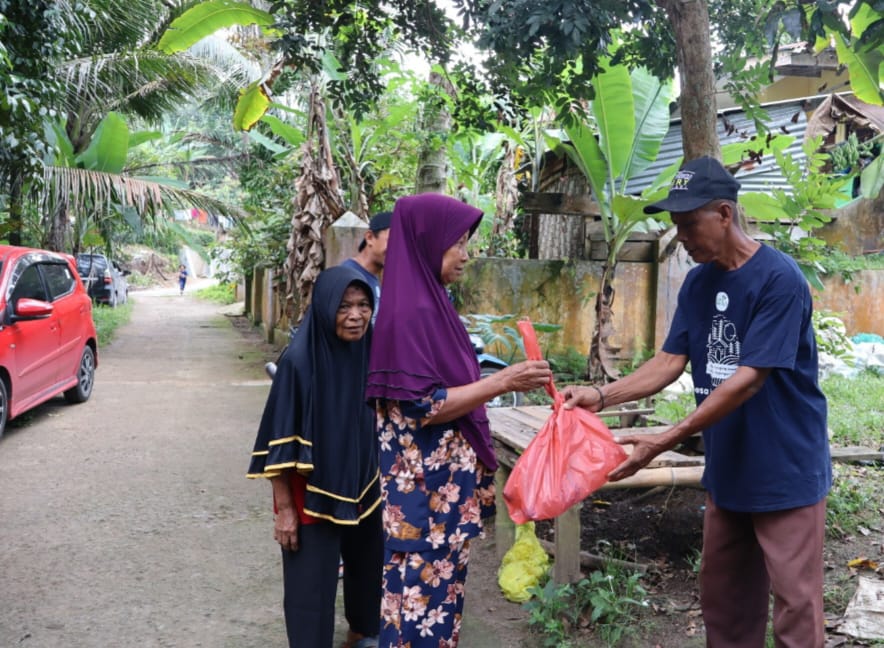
(855, 499)
(108, 320)
(219, 293)
(856, 409)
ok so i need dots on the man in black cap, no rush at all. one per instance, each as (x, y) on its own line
(372, 252)
(743, 321)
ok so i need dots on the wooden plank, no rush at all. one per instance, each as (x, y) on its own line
(559, 203)
(504, 528)
(651, 429)
(857, 453)
(632, 251)
(566, 568)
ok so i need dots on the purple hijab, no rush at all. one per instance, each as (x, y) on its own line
(420, 343)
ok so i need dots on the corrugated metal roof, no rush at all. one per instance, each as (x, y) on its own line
(764, 176)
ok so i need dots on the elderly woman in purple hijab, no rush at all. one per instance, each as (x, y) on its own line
(436, 456)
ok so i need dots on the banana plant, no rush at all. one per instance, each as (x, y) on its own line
(619, 138)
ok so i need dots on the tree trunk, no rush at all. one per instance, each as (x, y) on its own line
(601, 364)
(507, 198)
(432, 165)
(699, 112)
(56, 228)
(15, 209)
(561, 236)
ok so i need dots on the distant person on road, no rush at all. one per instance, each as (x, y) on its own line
(437, 461)
(372, 252)
(317, 445)
(743, 321)
(182, 278)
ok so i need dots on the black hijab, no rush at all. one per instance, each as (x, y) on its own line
(316, 420)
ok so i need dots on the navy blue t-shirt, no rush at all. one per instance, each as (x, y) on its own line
(772, 453)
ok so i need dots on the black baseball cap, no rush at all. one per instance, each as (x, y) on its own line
(378, 223)
(698, 182)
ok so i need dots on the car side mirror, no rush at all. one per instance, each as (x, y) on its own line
(30, 309)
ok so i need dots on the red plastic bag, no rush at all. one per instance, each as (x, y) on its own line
(569, 458)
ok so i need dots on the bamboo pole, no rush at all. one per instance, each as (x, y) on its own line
(665, 476)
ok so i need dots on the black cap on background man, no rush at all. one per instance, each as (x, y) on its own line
(378, 223)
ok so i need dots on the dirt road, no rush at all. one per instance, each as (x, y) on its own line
(128, 521)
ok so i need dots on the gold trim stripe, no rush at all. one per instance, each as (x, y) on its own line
(289, 464)
(290, 439)
(331, 518)
(341, 498)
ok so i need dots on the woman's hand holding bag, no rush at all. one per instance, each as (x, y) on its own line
(569, 458)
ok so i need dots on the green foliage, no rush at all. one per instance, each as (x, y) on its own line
(224, 293)
(608, 601)
(791, 218)
(357, 34)
(615, 599)
(674, 409)
(563, 40)
(630, 118)
(33, 39)
(568, 367)
(502, 338)
(856, 409)
(831, 334)
(262, 241)
(108, 320)
(205, 19)
(550, 612)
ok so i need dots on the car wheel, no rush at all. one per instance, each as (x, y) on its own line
(112, 302)
(4, 406)
(509, 399)
(85, 378)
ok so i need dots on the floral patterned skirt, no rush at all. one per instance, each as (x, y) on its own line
(423, 598)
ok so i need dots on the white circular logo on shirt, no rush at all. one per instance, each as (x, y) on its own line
(721, 301)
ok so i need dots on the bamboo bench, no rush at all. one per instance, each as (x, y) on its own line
(512, 429)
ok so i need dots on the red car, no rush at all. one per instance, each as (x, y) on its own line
(48, 344)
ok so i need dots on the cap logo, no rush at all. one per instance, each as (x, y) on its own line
(682, 178)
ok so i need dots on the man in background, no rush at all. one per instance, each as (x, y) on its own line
(369, 258)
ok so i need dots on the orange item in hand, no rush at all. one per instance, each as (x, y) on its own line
(569, 458)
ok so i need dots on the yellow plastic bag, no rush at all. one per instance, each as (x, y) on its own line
(523, 565)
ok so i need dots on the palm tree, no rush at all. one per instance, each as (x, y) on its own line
(120, 70)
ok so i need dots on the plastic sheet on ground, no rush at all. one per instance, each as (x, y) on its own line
(864, 616)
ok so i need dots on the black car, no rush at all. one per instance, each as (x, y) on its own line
(105, 281)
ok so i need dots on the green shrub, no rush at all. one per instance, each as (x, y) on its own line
(108, 320)
(608, 602)
(224, 293)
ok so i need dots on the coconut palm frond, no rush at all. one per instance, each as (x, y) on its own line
(142, 82)
(86, 190)
(229, 62)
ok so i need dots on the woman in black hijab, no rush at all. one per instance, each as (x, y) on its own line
(317, 445)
